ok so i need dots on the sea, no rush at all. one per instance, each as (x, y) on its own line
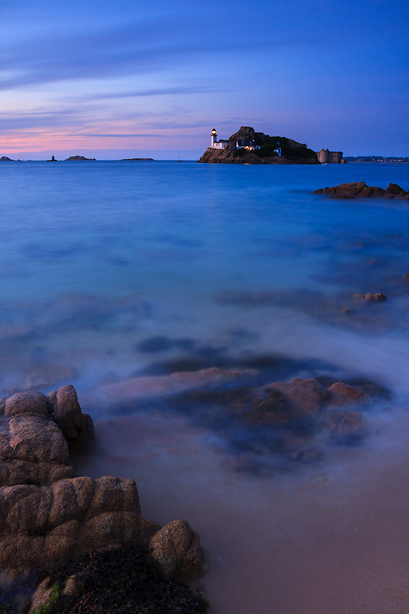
(117, 275)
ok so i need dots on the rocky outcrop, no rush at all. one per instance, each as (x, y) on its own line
(48, 516)
(6, 159)
(359, 189)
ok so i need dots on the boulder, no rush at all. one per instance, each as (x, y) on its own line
(176, 548)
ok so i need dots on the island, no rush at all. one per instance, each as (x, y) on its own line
(79, 159)
(137, 160)
(249, 147)
(6, 159)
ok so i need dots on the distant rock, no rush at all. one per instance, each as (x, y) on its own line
(79, 158)
(359, 189)
(137, 160)
(6, 159)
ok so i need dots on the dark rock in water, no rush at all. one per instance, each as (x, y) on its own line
(6, 159)
(345, 394)
(359, 189)
(47, 515)
(305, 396)
(79, 158)
(345, 424)
(375, 298)
(92, 584)
(372, 298)
(394, 190)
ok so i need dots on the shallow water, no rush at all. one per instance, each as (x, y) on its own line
(112, 271)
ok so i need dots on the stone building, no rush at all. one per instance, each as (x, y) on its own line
(330, 157)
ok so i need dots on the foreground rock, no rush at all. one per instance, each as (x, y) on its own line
(93, 584)
(359, 189)
(48, 516)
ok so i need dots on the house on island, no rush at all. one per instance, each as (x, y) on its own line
(248, 144)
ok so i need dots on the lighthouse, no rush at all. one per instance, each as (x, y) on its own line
(213, 137)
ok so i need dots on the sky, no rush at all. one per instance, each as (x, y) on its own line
(129, 78)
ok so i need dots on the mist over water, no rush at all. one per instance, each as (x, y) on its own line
(113, 272)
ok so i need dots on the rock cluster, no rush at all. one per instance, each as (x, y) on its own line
(48, 516)
(359, 189)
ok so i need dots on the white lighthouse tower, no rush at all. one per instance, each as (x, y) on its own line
(213, 137)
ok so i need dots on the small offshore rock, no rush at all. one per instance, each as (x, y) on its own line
(346, 310)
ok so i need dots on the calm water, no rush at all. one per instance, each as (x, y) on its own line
(112, 271)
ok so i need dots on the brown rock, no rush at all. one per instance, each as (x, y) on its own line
(345, 423)
(176, 548)
(394, 190)
(67, 411)
(347, 394)
(304, 396)
(375, 298)
(357, 189)
(27, 404)
(45, 595)
(47, 515)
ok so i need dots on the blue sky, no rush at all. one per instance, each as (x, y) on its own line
(130, 77)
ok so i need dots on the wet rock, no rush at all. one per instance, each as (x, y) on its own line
(346, 394)
(346, 310)
(304, 396)
(176, 549)
(345, 424)
(162, 385)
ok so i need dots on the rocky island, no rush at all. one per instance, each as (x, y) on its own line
(6, 159)
(249, 147)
